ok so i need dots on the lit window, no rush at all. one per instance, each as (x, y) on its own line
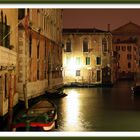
(87, 60)
(77, 72)
(78, 60)
(68, 60)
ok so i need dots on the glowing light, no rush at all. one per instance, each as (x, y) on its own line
(71, 66)
(72, 107)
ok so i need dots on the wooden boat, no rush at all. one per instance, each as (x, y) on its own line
(136, 90)
(41, 116)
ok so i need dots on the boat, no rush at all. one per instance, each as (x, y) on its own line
(136, 90)
(55, 94)
(136, 87)
(42, 116)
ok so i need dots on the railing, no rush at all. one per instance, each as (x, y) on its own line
(7, 56)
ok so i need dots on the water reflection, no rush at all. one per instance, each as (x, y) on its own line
(99, 109)
(72, 108)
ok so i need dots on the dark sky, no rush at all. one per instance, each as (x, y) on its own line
(99, 18)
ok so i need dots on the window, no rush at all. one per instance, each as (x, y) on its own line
(123, 48)
(30, 45)
(98, 75)
(98, 60)
(5, 30)
(118, 56)
(68, 45)
(78, 60)
(21, 13)
(129, 57)
(87, 60)
(77, 72)
(7, 39)
(135, 49)
(104, 45)
(117, 48)
(129, 65)
(68, 60)
(85, 45)
(129, 48)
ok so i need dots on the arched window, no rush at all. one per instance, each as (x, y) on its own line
(104, 45)
(68, 45)
(85, 45)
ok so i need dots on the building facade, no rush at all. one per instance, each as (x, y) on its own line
(8, 59)
(126, 44)
(40, 51)
(87, 56)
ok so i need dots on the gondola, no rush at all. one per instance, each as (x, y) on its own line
(40, 117)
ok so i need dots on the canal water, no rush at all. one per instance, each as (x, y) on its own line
(99, 109)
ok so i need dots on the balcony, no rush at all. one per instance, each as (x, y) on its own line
(7, 56)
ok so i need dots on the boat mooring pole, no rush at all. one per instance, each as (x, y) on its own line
(10, 102)
(25, 96)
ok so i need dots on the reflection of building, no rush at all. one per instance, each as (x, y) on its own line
(87, 56)
(40, 53)
(126, 42)
(8, 59)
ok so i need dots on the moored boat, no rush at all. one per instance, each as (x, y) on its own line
(55, 94)
(41, 116)
(136, 90)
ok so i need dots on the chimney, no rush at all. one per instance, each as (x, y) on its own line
(108, 27)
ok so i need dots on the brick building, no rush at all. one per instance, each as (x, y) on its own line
(126, 43)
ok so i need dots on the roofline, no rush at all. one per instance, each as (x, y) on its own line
(125, 25)
(83, 31)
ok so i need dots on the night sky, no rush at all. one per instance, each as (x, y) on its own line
(99, 18)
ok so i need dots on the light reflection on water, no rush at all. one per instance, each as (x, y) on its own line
(72, 108)
(99, 109)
